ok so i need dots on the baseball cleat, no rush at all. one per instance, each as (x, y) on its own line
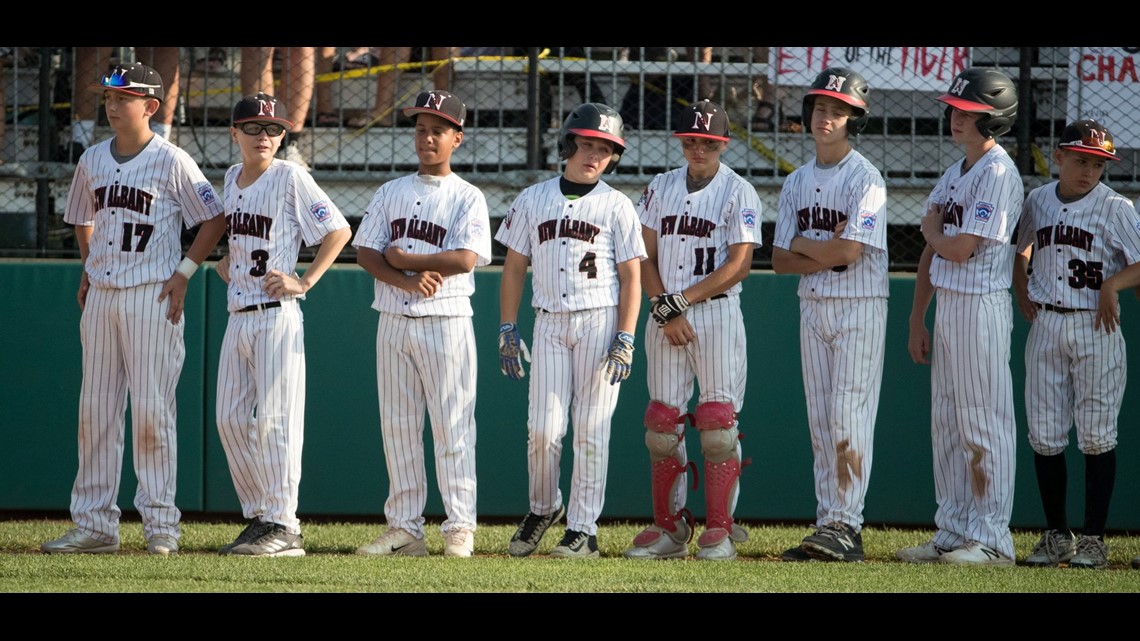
(529, 534)
(275, 541)
(1054, 546)
(795, 555)
(1136, 563)
(1091, 553)
(976, 553)
(655, 542)
(394, 542)
(834, 542)
(459, 542)
(576, 545)
(253, 529)
(76, 542)
(162, 545)
(926, 553)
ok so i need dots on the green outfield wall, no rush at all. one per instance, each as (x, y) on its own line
(344, 471)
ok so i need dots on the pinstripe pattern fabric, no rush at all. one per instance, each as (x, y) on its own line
(425, 347)
(138, 209)
(715, 360)
(842, 346)
(261, 410)
(428, 364)
(266, 224)
(855, 192)
(128, 345)
(566, 382)
(985, 202)
(694, 232)
(1078, 244)
(1074, 372)
(843, 317)
(424, 220)
(574, 246)
(973, 433)
(261, 370)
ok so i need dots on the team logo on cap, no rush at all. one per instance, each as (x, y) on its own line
(959, 86)
(983, 212)
(265, 109)
(434, 101)
(835, 83)
(702, 121)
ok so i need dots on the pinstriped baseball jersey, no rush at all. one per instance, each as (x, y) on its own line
(1077, 245)
(986, 202)
(266, 223)
(694, 231)
(138, 209)
(812, 202)
(590, 235)
(426, 217)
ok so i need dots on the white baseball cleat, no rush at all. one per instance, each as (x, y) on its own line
(926, 553)
(162, 545)
(459, 542)
(976, 553)
(76, 542)
(655, 542)
(395, 542)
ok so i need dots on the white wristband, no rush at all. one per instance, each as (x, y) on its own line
(187, 267)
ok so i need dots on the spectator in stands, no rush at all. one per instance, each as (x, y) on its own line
(548, 83)
(93, 62)
(383, 111)
(646, 104)
(298, 70)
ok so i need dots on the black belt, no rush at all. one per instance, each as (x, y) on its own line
(254, 308)
(717, 297)
(1059, 310)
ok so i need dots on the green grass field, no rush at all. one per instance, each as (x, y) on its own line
(330, 566)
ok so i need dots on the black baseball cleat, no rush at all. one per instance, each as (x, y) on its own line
(576, 545)
(795, 555)
(834, 542)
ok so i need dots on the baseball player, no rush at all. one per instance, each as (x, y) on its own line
(129, 200)
(699, 223)
(584, 243)
(969, 221)
(1082, 240)
(421, 237)
(831, 229)
(272, 206)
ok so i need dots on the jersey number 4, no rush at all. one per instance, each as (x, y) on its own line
(143, 231)
(1090, 274)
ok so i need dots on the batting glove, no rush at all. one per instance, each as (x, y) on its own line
(512, 350)
(619, 359)
(666, 307)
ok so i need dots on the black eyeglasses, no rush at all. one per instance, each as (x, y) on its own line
(255, 129)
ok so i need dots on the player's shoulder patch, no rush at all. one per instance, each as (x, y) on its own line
(510, 216)
(206, 194)
(867, 220)
(475, 227)
(321, 211)
(748, 217)
(983, 212)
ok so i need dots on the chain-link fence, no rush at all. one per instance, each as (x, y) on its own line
(347, 103)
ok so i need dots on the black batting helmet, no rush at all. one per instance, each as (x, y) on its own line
(988, 92)
(843, 84)
(592, 120)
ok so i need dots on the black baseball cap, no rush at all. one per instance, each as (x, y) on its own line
(1090, 137)
(440, 103)
(135, 79)
(704, 119)
(261, 107)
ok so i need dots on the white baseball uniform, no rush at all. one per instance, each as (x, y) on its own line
(1074, 373)
(574, 246)
(843, 321)
(138, 207)
(694, 232)
(425, 347)
(973, 431)
(261, 369)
